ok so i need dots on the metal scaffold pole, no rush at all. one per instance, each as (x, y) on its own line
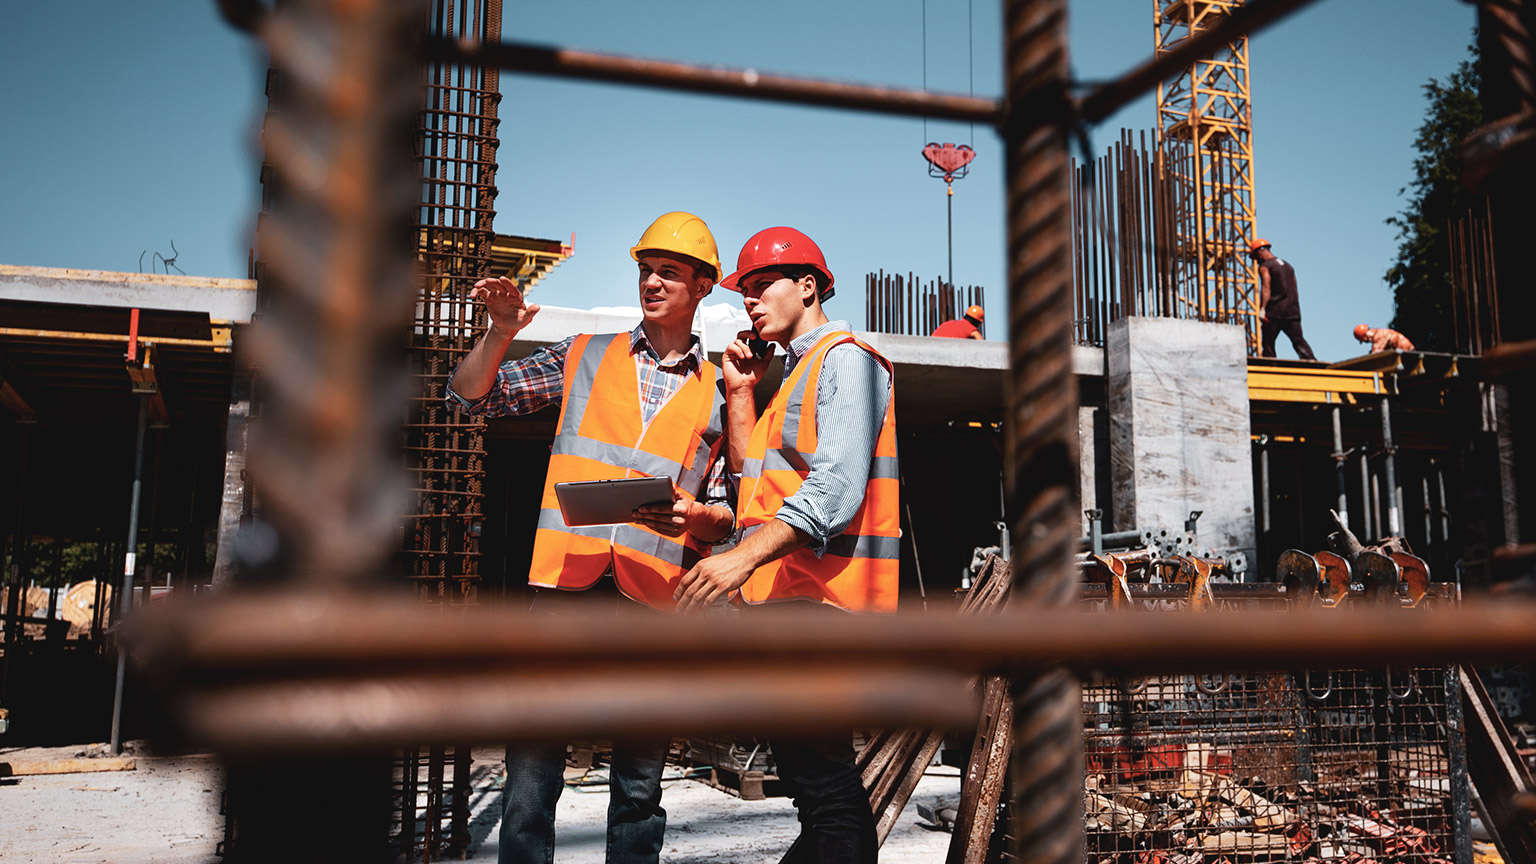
(125, 599)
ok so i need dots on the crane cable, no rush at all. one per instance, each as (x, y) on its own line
(970, 58)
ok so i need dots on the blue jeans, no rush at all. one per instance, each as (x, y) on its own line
(535, 778)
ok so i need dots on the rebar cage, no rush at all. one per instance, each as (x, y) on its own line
(1346, 764)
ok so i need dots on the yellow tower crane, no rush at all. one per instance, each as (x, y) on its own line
(1205, 133)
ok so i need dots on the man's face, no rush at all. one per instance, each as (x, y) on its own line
(670, 289)
(775, 303)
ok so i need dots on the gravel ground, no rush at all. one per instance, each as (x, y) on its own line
(166, 811)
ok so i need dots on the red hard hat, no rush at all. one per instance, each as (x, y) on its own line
(779, 247)
(976, 312)
(1258, 243)
(1360, 331)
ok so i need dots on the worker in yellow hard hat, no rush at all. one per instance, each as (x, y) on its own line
(967, 326)
(646, 403)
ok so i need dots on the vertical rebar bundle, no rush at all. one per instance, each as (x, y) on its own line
(456, 141)
(1474, 282)
(1123, 234)
(1205, 127)
(456, 138)
(903, 304)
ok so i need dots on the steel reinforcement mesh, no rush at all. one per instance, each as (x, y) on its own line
(1350, 765)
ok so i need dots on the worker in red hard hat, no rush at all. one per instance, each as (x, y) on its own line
(675, 428)
(1382, 338)
(967, 326)
(1279, 305)
(817, 512)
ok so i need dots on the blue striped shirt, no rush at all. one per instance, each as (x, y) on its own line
(851, 398)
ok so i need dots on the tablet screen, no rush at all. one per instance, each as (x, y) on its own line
(608, 502)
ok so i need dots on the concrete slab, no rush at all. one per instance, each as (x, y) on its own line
(936, 379)
(222, 299)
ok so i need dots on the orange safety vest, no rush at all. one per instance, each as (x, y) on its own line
(859, 568)
(601, 436)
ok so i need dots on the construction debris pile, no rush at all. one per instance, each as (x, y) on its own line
(1351, 765)
(1342, 765)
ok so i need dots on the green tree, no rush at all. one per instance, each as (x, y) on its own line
(1421, 276)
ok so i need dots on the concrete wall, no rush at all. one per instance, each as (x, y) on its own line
(1177, 397)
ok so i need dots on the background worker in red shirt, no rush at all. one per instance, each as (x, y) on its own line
(1382, 338)
(968, 326)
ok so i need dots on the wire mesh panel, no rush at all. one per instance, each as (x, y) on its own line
(1350, 765)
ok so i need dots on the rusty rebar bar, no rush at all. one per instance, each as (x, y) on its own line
(305, 672)
(1045, 819)
(342, 286)
(718, 80)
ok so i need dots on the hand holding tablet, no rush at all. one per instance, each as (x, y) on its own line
(610, 502)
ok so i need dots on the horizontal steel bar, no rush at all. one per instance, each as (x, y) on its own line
(720, 80)
(301, 671)
(359, 713)
(305, 628)
(1509, 360)
(1113, 539)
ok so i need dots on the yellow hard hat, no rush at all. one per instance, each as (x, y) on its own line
(681, 233)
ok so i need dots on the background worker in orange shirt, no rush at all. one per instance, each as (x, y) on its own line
(1382, 338)
(968, 326)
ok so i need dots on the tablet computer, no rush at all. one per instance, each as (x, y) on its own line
(607, 502)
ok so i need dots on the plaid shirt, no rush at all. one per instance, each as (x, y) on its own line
(538, 381)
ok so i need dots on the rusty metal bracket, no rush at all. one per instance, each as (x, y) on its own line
(1380, 575)
(1333, 575)
(1414, 572)
(1300, 575)
(1109, 571)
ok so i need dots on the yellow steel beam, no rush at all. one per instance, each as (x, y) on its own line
(221, 343)
(1325, 385)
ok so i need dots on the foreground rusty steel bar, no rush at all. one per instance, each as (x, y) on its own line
(377, 670)
(719, 80)
(340, 286)
(1046, 766)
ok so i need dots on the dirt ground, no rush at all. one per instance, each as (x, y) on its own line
(166, 811)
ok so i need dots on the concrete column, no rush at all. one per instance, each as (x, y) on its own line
(1177, 395)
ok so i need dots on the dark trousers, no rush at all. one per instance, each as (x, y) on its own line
(536, 773)
(1291, 327)
(836, 823)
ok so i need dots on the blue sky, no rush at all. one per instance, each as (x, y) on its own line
(127, 126)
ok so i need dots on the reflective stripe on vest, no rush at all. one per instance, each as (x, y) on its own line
(601, 435)
(858, 569)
